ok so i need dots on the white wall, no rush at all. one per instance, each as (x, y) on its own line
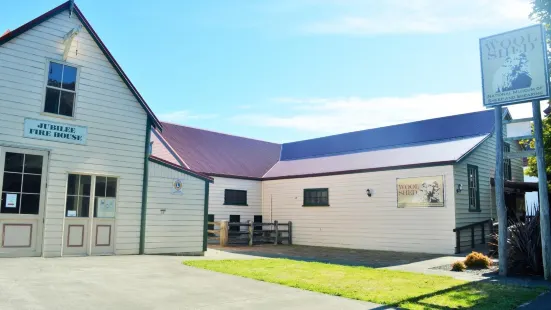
(180, 228)
(116, 123)
(222, 212)
(357, 221)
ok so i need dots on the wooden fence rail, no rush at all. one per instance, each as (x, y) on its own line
(230, 233)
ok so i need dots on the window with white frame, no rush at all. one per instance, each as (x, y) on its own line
(60, 89)
(474, 193)
(80, 195)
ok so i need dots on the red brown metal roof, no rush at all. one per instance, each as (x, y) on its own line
(219, 154)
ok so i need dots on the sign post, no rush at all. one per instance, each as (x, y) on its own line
(543, 192)
(514, 70)
(500, 194)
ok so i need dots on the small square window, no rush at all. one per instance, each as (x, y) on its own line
(316, 197)
(60, 89)
(235, 197)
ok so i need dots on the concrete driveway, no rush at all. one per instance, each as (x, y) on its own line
(144, 282)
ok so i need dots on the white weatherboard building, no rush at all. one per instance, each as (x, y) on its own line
(397, 188)
(76, 177)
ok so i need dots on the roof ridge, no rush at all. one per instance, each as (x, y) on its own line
(219, 132)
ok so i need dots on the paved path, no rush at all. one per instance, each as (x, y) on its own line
(146, 282)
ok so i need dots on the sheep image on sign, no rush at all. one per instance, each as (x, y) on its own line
(420, 192)
(514, 67)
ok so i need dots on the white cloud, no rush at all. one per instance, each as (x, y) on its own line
(371, 17)
(338, 115)
(184, 116)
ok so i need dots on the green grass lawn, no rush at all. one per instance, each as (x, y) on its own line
(404, 289)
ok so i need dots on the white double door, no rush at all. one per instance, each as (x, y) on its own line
(88, 229)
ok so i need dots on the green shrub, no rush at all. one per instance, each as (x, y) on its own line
(524, 241)
(458, 266)
(477, 260)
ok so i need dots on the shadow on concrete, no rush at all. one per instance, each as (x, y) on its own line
(339, 256)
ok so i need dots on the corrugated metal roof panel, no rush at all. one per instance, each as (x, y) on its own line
(416, 133)
(159, 150)
(222, 154)
(395, 157)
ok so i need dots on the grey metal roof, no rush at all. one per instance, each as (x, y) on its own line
(442, 152)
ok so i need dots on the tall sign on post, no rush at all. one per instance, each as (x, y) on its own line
(514, 70)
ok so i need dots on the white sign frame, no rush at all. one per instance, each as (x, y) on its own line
(540, 59)
(11, 201)
(177, 187)
(107, 207)
(31, 126)
(421, 204)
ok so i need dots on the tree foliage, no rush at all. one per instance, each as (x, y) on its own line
(541, 12)
(532, 169)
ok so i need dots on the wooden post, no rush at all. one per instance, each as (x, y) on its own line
(290, 233)
(224, 228)
(500, 193)
(276, 229)
(543, 192)
(251, 232)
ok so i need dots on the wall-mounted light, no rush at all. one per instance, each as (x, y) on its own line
(459, 188)
(369, 192)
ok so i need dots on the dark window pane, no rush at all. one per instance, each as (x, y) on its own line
(71, 205)
(30, 204)
(77, 206)
(52, 100)
(12, 182)
(257, 219)
(14, 162)
(235, 219)
(85, 185)
(3, 208)
(33, 164)
(69, 77)
(84, 206)
(111, 187)
(66, 103)
(31, 183)
(100, 186)
(72, 184)
(54, 74)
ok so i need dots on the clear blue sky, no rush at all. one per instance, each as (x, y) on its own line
(284, 70)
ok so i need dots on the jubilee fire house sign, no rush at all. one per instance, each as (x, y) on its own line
(514, 67)
(45, 130)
